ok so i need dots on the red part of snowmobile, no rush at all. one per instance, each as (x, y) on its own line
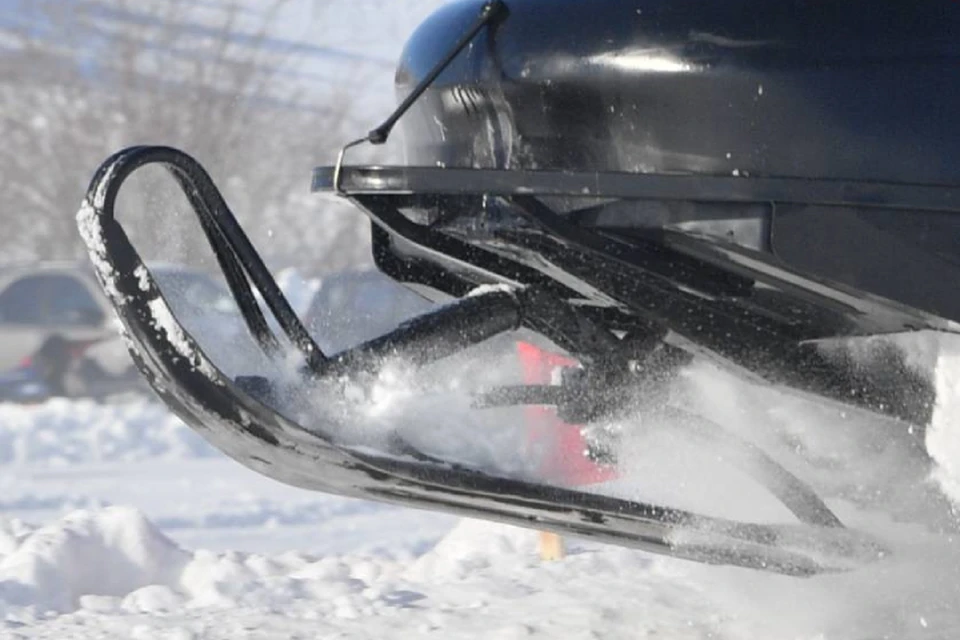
(565, 456)
(611, 225)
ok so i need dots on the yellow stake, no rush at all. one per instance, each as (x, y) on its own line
(551, 546)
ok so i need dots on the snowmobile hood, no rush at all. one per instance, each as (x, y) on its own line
(846, 90)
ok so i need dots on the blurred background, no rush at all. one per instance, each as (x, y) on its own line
(259, 91)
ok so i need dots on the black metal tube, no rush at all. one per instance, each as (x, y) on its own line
(521, 395)
(491, 11)
(435, 335)
(235, 253)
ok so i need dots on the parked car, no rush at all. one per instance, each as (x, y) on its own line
(58, 331)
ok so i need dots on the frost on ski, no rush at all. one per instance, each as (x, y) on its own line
(91, 230)
(490, 288)
(162, 318)
(164, 321)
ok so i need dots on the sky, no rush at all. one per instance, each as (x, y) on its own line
(371, 32)
(326, 35)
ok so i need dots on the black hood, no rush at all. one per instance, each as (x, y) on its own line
(845, 90)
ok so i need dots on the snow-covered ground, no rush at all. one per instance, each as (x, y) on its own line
(118, 521)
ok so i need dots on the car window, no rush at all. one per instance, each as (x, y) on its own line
(70, 303)
(22, 302)
(50, 300)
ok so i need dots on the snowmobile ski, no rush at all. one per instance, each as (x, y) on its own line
(244, 425)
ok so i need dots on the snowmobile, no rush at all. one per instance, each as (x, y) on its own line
(639, 183)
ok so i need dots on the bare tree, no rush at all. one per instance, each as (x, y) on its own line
(87, 78)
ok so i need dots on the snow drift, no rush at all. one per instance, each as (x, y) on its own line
(107, 553)
(97, 572)
(60, 432)
(111, 572)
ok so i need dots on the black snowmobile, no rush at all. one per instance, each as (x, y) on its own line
(640, 183)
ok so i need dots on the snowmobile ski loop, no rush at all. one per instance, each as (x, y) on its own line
(419, 341)
(235, 253)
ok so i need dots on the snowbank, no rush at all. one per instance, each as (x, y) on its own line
(61, 432)
(113, 560)
(111, 573)
(473, 545)
(95, 567)
(111, 552)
